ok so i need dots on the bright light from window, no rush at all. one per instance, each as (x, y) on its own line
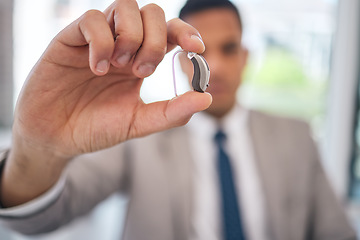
(289, 42)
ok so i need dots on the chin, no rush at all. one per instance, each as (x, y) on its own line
(218, 110)
(221, 105)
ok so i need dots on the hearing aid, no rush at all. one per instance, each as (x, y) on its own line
(200, 80)
(201, 77)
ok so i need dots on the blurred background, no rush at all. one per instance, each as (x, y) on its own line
(304, 63)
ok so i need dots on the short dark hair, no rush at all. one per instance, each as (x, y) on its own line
(194, 6)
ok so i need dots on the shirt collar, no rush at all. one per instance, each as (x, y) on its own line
(206, 126)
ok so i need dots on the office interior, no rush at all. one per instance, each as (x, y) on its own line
(304, 63)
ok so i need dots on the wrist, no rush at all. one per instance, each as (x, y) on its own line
(28, 173)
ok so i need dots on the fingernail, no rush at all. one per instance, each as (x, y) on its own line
(196, 37)
(102, 66)
(124, 59)
(146, 69)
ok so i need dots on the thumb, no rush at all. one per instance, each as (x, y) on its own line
(159, 116)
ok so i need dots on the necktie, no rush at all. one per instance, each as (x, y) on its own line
(232, 226)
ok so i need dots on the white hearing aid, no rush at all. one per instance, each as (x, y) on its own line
(200, 80)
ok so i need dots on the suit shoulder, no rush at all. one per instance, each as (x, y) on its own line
(277, 123)
(291, 139)
(290, 134)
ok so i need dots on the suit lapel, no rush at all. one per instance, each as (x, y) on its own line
(180, 170)
(268, 158)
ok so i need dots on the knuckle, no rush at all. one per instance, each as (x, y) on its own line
(158, 51)
(93, 13)
(131, 38)
(124, 2)
(175, 21)
(106, 43)
(118, 4)
(154, 8)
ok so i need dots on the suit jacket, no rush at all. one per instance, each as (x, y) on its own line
(156, 173)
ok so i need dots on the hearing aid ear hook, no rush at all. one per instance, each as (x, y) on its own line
(200, 80)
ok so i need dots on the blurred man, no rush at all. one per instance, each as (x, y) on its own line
(230, 173)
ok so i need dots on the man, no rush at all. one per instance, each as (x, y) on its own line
(259, 171)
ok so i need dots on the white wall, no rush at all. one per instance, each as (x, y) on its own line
(342, 95)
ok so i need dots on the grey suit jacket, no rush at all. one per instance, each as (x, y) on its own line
(156, 173)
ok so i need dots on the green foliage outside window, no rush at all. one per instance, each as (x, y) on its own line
(281, 85)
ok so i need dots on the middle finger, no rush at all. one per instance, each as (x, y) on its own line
(125, 20)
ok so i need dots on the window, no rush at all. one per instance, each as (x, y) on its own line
(289, 43)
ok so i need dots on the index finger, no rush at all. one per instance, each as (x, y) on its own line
(184, 35)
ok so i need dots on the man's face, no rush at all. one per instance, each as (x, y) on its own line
(221, 33)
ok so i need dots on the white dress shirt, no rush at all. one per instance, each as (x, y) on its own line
(207, 206)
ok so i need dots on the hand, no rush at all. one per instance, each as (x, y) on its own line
(83, 94)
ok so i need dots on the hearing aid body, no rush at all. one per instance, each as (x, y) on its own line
(200, 80)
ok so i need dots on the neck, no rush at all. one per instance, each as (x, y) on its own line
(218, 114)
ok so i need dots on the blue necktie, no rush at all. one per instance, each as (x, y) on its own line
(232, 226)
